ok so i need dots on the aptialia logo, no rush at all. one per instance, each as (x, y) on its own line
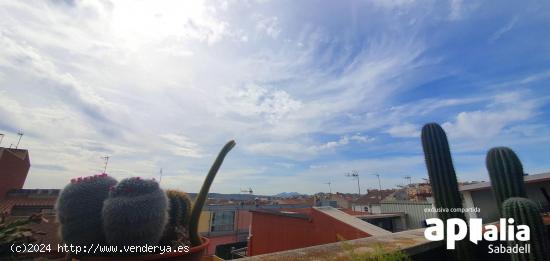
(457, 229)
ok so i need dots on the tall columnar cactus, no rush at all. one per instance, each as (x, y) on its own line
(526, 212)
(441, 170)
(201, 197)
(135, 213)
(443, 180)
(506, 173)
(79, 207)
(177, 228)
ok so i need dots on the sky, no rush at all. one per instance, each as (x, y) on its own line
(309, 90)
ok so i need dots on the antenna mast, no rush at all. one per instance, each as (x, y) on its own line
(160, 178)
(20, 133)
(106, 158)
(379, 187)
(354, 174)
(408, 178)
(329, 188)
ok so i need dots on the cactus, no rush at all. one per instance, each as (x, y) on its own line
(506, 173)
(443, 180)
(176, 230)
(526, 212)
(441, 171)
(135, 213)
(79, 207)
(201, 197)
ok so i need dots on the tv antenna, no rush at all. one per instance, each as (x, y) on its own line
(354, 174)
(20, 133)
(106, 159)
(408, 178)
(329, 187)
(379, 186)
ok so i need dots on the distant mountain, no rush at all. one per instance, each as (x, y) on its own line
(288, 194)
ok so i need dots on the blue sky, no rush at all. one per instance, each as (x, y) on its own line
(310, 90)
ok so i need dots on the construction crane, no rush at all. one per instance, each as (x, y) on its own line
(249, 191)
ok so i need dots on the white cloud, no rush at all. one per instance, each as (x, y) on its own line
(269, 26)
(303, 151)
(501, 31)
(504, 110)
(181, 145)
(272, 105)
(407, 130)
(166, 84)
(392, 3)
(456, 9)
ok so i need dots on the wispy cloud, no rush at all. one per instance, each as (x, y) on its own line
(349, 85)
(501, 31)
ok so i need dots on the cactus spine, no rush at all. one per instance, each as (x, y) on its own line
(526, 212)
(506, 173)
(79, 207)
(201, 197)
(180, 208)
(135, 213)
(443, 179)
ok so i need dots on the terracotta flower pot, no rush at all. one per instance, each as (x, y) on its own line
(194, 254)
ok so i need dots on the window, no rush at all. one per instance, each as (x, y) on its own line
(222, 221)
(366, 209)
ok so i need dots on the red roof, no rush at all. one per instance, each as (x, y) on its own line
(373, 196)
(7, 204)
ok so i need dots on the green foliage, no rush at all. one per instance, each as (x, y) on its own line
(506, 173)
(17, 231)
(526, 212)
(378, 253)
(443, 179)
(203, 194)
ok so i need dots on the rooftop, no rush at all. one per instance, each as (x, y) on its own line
(20, 153)
(411, 242)
(374, 196)
(28, 198)
(353, 221)
(536, 178)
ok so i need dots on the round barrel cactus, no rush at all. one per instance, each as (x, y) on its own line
(79, 208)
(176, 231)
(135, 213)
